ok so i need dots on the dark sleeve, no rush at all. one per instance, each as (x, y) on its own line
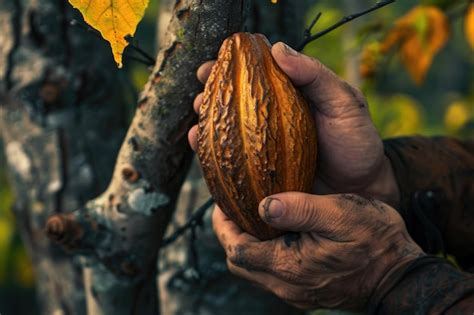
(428, 285)
(436, 181)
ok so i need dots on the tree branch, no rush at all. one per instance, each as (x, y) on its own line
(121, 230)
(309, 38)
(195, 220)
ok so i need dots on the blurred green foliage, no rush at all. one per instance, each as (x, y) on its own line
(443, 104)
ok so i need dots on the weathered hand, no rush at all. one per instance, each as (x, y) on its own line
(351, 157)
(347, 246)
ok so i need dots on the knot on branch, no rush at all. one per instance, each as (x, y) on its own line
(129, 173)
(78, 231)
(64, 230)
(100, 230)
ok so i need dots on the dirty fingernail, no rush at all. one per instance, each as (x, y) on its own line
(273, 209)
(289, 51)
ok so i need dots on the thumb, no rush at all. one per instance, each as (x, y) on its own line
(327, 91)
(300, 212)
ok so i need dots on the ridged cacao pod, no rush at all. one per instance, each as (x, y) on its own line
(256, 134)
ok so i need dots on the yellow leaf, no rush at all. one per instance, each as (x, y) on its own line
(418, 35)
(469, 25)
(369, 59)
(397, 115)
(403, 116)
(115, 19)
(456, 116)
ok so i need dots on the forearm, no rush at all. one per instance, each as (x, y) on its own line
(428, 285)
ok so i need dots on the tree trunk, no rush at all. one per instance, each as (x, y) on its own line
(164, 16)
(61, 133)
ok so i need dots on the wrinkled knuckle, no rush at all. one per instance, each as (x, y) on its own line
(289, 270)
(236, 255)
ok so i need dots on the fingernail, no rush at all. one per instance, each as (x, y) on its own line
(273, 209)
(289, 51)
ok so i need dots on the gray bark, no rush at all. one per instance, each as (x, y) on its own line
(121, 230)
(165, 13)
(60, 132)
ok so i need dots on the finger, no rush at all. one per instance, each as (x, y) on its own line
(205, 70)
(192, 137)
(197, 102)
(324, 88)
(228, 233)
(300, 212)
(241, 248)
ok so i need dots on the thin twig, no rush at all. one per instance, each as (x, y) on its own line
(137, 48)
(307, 31)
(343, 21)
(145, 62)
(193, 254)
(148, 61)
(195, 220)
(84, 27)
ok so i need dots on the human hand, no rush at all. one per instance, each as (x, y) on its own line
(347, 246)
(350, 151)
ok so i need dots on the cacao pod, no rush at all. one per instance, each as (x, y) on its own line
(256, 135)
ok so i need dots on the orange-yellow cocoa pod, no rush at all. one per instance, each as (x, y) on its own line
(256, 134)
